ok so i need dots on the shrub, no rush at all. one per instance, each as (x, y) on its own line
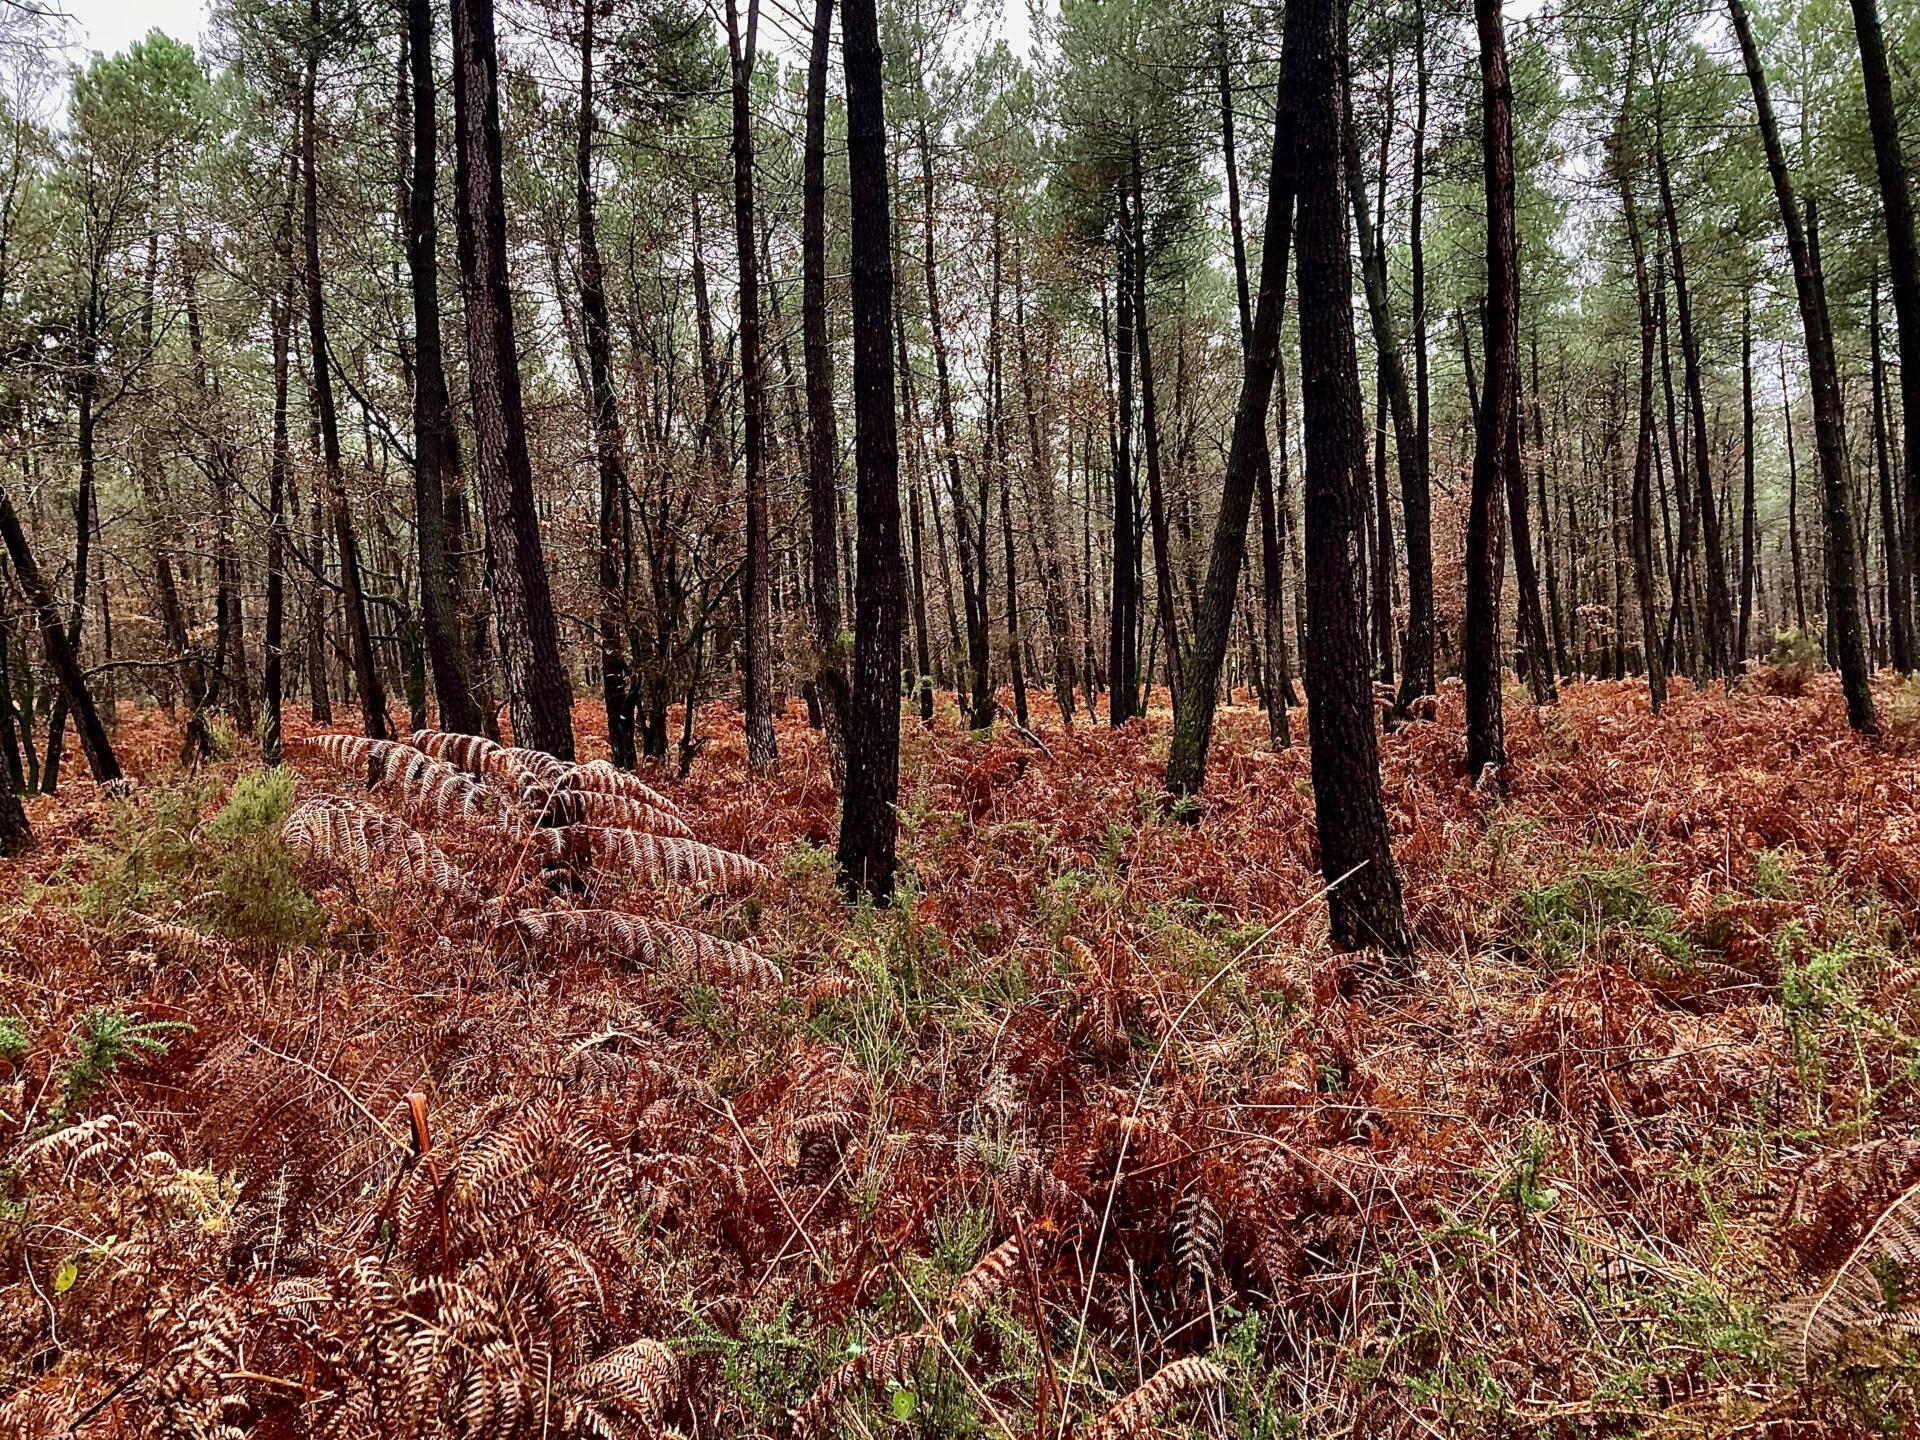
(252, 893)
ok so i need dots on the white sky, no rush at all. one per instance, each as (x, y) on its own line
(112, 25)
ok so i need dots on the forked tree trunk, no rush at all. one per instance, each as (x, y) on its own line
(539, 695)
(1829, 420)
(1356, 859)
(868, 830)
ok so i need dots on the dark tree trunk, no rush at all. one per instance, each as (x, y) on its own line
(922, 637)
(1555, 613)
(823, 441)
(1416, 504)
(540, 698)
(1193, 725)
(609, 439)
(1829, 422)
(61, 657)
(1903, 268)
(273, 650)
(1486, 742)
(1363, 900)
(996, 451)
(366, 671)
(1749, 525)
(763, 750)
(1272, 586)
(968, 551)
(1899, 634)
(867, 824)
(1719, 659)
(83, 523)
(1122, 655)
(1641, 525)
(436, 439)
(1038, 493)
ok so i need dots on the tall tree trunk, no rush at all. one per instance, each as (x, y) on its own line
(1272, 584)
(1903, 269)
(867, 825)
(1356, 859)
(1749, 525)
(1123, 680)
(1038, 492)
(1642, 500)
(436, 438)
(763, 750)
(1486, 741)
(1555, 613)
(84, 506)
(1719, 658)
(1899, 632)
(922, 637)
(996, 448)
(1193, 724)
(1416, 504)
(823, 440)
(273, 650)
(1166, 611)
(609, 438)
(1829, 421)
(968, 547)
(366, 670)
(540, 698)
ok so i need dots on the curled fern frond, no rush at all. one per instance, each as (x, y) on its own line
(636, 940)
(672, 860)
(1873, 1289)
(1135, 1412)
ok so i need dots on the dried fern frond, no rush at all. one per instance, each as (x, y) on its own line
(637, 1383)
(418, 783)
(333, 831)
(568, 805)
(672, 860)
(602, 778)
(991, 1275)
(1874, 1289)
(1135, 1412)
(1198, 1237)
(636, 940)
(887, 1362)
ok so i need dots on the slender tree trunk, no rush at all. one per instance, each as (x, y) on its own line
(1122, 655)
(1165, 608)
(867, 825)
(1903, 268)
(1899, 633)
(823, 441)
(609, 439)
(366, 671)
(763, 751)
(1038, 493)
(273, 654)
(436, 439)
(1416, 504)
(1356, 859)
(1486, 742)
(1750, 526)
(1555, 613)
(1829, 423)
(61, 657)
(1641, 525)
(1272, 583)
(83, 525)
(540, 698)
(1193, 724)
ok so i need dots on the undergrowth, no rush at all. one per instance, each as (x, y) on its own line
(438, 1090)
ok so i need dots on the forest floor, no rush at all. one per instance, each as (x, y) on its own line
(1088, 1099)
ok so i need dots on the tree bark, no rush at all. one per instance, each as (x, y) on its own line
(436, 438)
(1486, 741)
(540, 699)
(823, 440)
(1899, 633)
(1749, 525)
(1193, 724)
(868, 828)
(1356, 858)
(609, 438)
(1829, 422)
(1903, 268)
(763, 750)
(366, 670)
(1166, 611)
